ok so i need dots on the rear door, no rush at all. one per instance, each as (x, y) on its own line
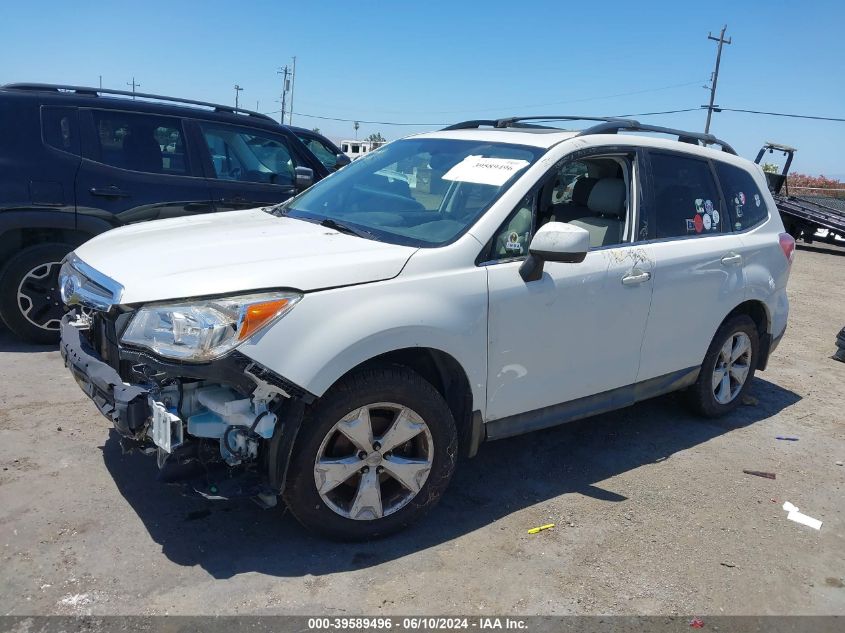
(698, 272)
(137, 166)
(250, 167)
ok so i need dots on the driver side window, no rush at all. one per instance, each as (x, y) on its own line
(592, 193)
(247, 155)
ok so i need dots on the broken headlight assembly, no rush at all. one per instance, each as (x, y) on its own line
(205, 329)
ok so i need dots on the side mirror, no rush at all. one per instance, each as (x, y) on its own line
(554, 242)
(342, 161)
(304, 178)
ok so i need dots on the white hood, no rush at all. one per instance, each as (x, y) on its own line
(233, 252)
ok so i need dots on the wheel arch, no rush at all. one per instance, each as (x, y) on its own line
(758, 311)
(448, 377)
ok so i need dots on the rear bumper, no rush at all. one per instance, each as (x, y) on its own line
(126, 406)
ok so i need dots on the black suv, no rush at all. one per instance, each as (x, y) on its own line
(75, 162)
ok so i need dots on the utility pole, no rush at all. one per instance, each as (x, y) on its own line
(715, 78)
(101, 82)
(134, 85)
(292, 85)
(356, 125)
(285, 87)
(237, 90)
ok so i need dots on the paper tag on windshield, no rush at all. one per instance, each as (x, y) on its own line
(485, 171)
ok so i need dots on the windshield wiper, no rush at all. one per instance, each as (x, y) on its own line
(331, 223)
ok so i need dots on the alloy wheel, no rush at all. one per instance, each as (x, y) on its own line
(732, 367)
(38, 296)
(374, 461)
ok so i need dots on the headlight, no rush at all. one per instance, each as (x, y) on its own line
(205, 329)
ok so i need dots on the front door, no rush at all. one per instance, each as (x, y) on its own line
(248, 167)
(137, 167)
(577, 331)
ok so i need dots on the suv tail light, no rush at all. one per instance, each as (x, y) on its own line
(787, 244)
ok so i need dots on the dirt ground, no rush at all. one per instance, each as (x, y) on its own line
(653, 513)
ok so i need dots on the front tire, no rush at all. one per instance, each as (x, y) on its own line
(30, 303)
(373, 455)
(728, 368)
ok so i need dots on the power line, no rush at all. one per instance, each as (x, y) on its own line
(620, 116)
(329, 118)
(792, 116)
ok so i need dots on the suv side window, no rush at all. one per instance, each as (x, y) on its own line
(60, 128)
(140, 142)
(742, 196)
(247, 155)
(323, 153)
(685, 196)
(566, 195)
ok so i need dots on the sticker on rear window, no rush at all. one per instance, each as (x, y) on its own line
(757, 199)
(482, 170)
(513, 243)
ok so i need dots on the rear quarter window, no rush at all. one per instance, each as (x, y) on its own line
(745, 202)
(60, 129)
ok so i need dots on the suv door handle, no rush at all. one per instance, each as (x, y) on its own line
(235, 200)
(635, 277)
(109, 192)
(733, 259)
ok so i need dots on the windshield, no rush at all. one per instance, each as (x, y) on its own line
(419, 192)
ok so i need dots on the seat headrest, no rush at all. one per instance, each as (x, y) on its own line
(581, 190)
(608, 197)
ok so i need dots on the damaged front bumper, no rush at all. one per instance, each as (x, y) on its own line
(232, 417)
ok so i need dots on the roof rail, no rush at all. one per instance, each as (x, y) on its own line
(606, 125)
(93, 92)
(616, 125)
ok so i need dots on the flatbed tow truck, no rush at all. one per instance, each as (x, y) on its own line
(801, 217)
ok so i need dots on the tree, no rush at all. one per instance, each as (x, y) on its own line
(770, 168)
(815, 186)
(316, 130)
(376, 138)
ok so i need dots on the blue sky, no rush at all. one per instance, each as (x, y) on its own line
(440, 62)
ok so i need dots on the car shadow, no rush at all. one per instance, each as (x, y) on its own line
(230, 538)
(819, 246)
(11, 343)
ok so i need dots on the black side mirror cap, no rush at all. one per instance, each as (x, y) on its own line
(304, 178)
(342, 161)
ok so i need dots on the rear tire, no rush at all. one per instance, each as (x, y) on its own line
(728, 368)
(367, 490)
(30, 303)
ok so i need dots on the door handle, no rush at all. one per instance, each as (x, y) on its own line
(635, 277)
(733, 259)
(109, 192)
(235, 200)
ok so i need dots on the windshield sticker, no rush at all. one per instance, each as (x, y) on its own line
(715, 216)
(757, 199)
(699, 205)
(708, 223)
(690, 226)
(708, 206)
(513, 243)
(699, 224)
(482, 170)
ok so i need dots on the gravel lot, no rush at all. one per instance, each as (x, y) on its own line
(653, 513)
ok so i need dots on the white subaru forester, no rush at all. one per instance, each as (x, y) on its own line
(342, 349)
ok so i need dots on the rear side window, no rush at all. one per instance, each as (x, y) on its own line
(140, 142)
(60, 128)
(323, 153)
(742, 196)
(685, 197)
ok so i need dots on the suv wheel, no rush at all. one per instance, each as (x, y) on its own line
(374, 454)
(30, 303)
(727, 369)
